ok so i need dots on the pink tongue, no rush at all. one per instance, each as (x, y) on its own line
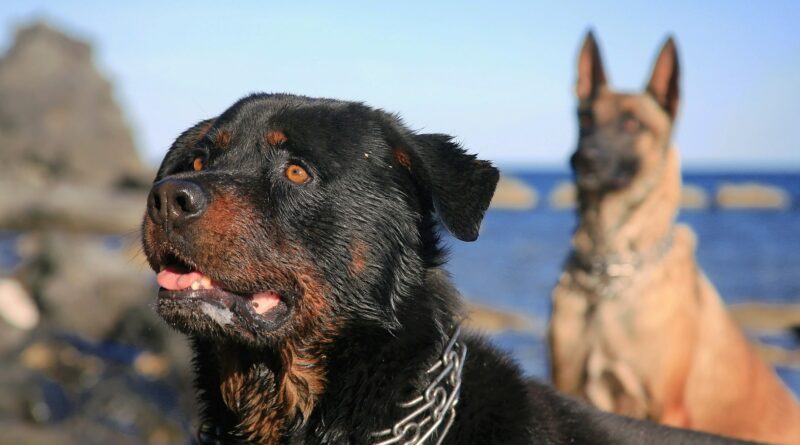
(264, 301)
(171, 279)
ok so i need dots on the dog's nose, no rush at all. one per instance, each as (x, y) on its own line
(173, 203)
(586, 157)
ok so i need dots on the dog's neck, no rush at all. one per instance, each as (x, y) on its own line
(268, 396)
(634, 221)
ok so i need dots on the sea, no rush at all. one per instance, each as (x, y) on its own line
(749, 255)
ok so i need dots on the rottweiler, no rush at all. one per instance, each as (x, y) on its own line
(297, 244)
(637, 328)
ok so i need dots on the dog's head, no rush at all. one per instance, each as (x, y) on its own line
(287, 214)
(622, 137)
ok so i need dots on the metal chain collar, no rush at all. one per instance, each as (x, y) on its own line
(436, 406)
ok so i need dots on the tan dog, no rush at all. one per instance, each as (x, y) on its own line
(637, 328)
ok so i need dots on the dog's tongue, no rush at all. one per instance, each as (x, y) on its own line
(172, 279)
(264, 301)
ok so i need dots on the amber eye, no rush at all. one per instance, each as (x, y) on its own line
(297, 174)
(198, 163)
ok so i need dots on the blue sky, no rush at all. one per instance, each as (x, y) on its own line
(498, 76)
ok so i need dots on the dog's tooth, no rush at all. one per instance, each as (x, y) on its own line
(196, 285)
(205, 282)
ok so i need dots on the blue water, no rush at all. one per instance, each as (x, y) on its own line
(748, 255)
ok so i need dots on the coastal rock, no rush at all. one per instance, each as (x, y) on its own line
(16, 306)
(84, 282)
(513, 194)
(563, 196)
(71, 207)
(766, 317)
(58, 117)
(752, 195)
(492, 320)
(89, 392)
(693, 197)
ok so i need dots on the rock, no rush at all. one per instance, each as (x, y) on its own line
(92, 392)
(778, 356)
(15, 433)
(563, 196)
(72, 207)
(16, 306)
(491, 320)
(693, 197)
(86, 295)
(165, 349)
(766, 317)
(752, 195)
(513, 194)
(58, 117)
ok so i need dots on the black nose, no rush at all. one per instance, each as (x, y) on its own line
(173, 203)
(586, 158)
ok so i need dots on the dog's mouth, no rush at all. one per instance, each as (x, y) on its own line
(183, 283)
(180, 279)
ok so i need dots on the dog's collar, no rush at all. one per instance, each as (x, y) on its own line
(432, 412)
(605, 271)
(615, 265)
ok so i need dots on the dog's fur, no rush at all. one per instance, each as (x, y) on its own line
(637, 328)
(353, 252)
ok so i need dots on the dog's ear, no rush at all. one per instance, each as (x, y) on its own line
(591, 76)
(458, 185)
(664, 82)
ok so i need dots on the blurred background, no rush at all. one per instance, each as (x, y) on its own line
(93, 93)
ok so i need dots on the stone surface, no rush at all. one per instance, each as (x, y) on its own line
(17, 308)
(491, 320)
(513, 194)
(82, 283)
(751, 195)
(693, 197)
(766, 316)
(58, 117)
(563, 196)
(71, 207)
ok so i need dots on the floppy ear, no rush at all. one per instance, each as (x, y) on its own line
(591, 76)
(664, 85)
(459, 186)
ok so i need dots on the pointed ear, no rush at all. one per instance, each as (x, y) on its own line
(664, 82)
(458, 185)
(591, 76)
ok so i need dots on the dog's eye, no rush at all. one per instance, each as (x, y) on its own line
(198, 163)
(297, 174)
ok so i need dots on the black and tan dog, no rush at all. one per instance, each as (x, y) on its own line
(296, 245)
(637, 328)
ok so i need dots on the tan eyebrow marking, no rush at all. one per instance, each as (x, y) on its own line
(222, 138)
(275, 137)
(402, 158)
